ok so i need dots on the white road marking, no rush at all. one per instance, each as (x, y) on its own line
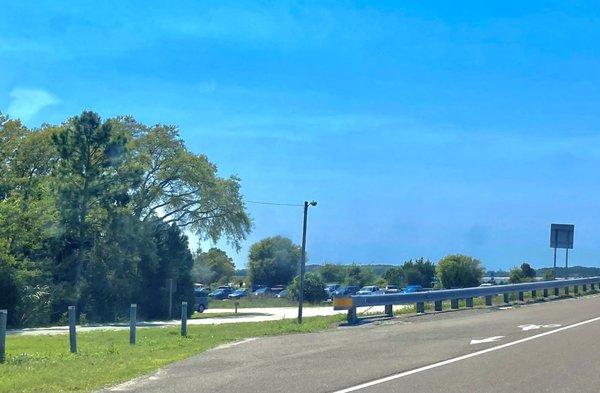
(537, 327)
(460, 358)
(487, 340)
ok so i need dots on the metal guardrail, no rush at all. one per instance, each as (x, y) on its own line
(350, 303)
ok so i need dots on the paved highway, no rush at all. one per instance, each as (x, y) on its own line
(543, 347)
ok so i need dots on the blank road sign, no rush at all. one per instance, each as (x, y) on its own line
(561, 235)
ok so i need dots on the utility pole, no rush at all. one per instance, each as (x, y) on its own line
(303, 259)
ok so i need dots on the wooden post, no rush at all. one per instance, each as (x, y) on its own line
(3, 318)
(184, 319)
(72, 329)
(132, 323)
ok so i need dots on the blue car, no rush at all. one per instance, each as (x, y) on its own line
(238, 294)
(412, 288)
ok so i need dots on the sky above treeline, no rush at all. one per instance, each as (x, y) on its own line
(421, 128)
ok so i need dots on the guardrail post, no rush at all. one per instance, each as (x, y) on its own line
(521, 297)
(545, 292)
(72, 329)
(469, 302)
(132, 323)
(183, 319)
(584, 288)
(437, 305)
(567, 290)
(592, 287)
(454, 304)
(351, 317)
(556, 291)
(3, 318)
(389, 310)
(533, 294)
(576, 289)
(506, 298)
(488, 301)
(420, 307)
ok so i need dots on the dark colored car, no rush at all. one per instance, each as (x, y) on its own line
(347, 291)
(238, 294)
(264, 291)
(221, 293)
(201, 296)
(412, 288)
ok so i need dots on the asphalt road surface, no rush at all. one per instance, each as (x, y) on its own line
(542, 347)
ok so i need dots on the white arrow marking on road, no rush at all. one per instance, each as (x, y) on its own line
(536, 327)
(487, 340)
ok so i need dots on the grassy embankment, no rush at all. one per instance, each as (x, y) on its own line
(43, 363)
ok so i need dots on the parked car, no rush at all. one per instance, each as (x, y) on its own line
(331, 288)
(392, 289)
(239, 293)
(347, 291)
(370, 290)
(201, 296)
(412, 288)
(263, 291)
(487, 284)
(221, 293)
(276, 289)
(282, 294)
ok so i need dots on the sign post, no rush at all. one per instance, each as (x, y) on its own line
(561, 236)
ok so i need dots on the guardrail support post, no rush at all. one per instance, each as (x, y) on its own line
(132, 323)
(438, 305)
(351, 317)
(556, 291)
(183, 319)
(576, 289)
(545, 292)
(469, 302)
(506, 298)
(533, 294)
(592, 287)
(567, 291)
(488, 301)
(3, 318)
(454, 304)
(584, 288)
(420, 307)
(389, 310)
(72, 329)
(521, 297)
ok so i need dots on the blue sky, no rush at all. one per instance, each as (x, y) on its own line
(421, 128)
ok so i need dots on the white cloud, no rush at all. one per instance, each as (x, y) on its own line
(25, 103)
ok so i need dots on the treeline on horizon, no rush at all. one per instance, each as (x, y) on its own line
(380, 269)
(94, 213)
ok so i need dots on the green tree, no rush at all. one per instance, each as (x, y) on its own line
(394, 276)
(273, 261)
(212, 266)
(88, 185)
(459, 271)
(360, 275)
(332, 273)
(181, 188)
(528, 271)
(516, 275)
(314, 288)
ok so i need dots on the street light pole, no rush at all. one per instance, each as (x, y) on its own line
(303, 260)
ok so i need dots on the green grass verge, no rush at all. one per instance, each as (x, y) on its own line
(253, 302)
(44, 364)
(230, 315)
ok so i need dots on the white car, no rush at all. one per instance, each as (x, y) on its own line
(370, 290)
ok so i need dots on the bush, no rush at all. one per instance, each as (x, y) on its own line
(459, 271)
(314, 288)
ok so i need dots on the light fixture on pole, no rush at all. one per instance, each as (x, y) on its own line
(303, 260)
